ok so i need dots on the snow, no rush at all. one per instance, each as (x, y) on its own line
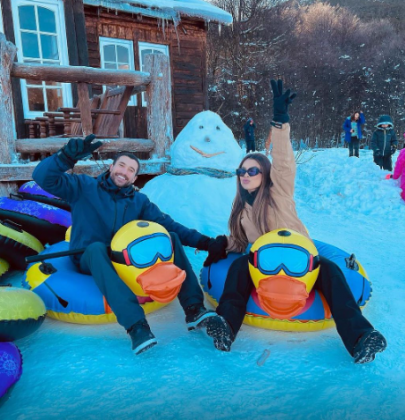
(167, 9)
(77, 372)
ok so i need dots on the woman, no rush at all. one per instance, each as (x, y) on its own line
(353, 135)
(264, 202)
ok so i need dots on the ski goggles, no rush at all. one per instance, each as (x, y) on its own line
(144, 252)
(251, 171)
(295, 261)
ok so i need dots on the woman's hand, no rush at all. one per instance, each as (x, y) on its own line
(216, 250)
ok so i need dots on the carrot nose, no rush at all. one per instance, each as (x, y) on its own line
(282, 297)
(162, 282)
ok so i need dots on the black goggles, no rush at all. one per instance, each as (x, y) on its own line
(251, 171)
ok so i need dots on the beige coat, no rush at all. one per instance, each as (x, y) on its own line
(282, 213)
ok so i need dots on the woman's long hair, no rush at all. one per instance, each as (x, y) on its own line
(260, 205)
(353, 116)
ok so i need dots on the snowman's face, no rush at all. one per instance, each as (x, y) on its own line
(206, 142)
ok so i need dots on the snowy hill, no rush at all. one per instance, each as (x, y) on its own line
(89, 372)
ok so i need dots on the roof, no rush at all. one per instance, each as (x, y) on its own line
(167, 9)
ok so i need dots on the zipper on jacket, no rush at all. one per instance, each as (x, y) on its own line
(115, 219)
(123, 216)
(385, 141)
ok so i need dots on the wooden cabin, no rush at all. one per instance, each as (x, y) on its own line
(110, 34)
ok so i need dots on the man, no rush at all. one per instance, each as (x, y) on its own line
(100, 207)
(249, 128)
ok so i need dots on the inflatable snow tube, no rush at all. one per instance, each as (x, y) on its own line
(21, 313)
(10, 368)
(85, 303)
(4, 266)
(16, 244)
(32, 191)
(315, 315)
(45, 222)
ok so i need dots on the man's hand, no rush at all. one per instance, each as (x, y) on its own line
(281, 101)
(77, 149)
(216, 250)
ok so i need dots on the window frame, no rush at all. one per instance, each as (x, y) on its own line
(149, 45)
(58, 9)
(103, 41)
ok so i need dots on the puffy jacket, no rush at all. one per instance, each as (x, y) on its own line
(282, 213)
(99, 207)
(249, 130)
(399, 170)
(347, 126)
(384, 138)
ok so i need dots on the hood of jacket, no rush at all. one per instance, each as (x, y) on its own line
(107, 184)
(385, 119)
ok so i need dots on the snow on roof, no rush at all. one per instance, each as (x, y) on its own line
(167, 9)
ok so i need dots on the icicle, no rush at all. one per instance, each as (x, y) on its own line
(176, 22)
(219, 29)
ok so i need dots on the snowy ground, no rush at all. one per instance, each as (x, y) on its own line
(89, 372)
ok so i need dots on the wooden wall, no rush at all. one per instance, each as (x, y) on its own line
(187, 50)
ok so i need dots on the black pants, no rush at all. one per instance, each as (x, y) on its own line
(124, 303)
(350, 322)
(384, 162)
(354, 146)
(250, 146)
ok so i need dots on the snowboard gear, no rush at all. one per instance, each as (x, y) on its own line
(347, 127)
(141, 336)
(219, 329)
(281, 101)
(216, 250)
(368, 345)
(196, 316)
(77, 149)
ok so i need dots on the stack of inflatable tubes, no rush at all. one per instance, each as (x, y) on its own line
(45, 222)
(10, 368)
(85, 303)
(16, 245)
(21, 313)
(316, 313)
(32, 191)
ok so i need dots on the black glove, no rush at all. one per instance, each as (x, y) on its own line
(377, 153)
(281, 101)
(216, 250)
(393, 149)
(77, 149)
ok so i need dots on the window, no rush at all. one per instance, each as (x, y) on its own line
(117, 54)
(147, 48)
(41, 38)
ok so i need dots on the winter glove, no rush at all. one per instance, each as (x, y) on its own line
(77, 149)
(377, 153)
(281, 101)
(393, 149)
(216, 250)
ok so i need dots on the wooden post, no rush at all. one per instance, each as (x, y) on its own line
(85, 108)
(159, 97)
(7, 145)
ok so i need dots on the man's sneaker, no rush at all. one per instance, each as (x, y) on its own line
(141, 336)
(368, 345)
(196, 316)
(219, 329)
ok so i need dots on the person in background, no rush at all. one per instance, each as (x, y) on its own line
(384, 142)
(353, 135)
(249, 129)
(264, 201)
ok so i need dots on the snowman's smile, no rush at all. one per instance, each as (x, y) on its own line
(206, 155)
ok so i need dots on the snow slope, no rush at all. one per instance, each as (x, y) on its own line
(89, 372)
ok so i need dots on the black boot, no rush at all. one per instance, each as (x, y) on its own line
(141, 336)
(368, 345)
(219, 329)
(196, 316)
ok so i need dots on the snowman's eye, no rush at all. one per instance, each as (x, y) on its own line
(218, 128)
(201, 127)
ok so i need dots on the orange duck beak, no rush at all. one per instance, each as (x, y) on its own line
(162, 282)
(282, 297)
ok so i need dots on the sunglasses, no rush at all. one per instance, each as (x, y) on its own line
(251, 171)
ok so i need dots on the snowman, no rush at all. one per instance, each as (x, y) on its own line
(200, 185)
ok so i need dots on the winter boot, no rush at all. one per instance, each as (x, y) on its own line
(196, 314)
(219, 329)
(141, 336)
(368, 345)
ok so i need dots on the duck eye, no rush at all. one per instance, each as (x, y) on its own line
(218, 128)
(201, 127)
